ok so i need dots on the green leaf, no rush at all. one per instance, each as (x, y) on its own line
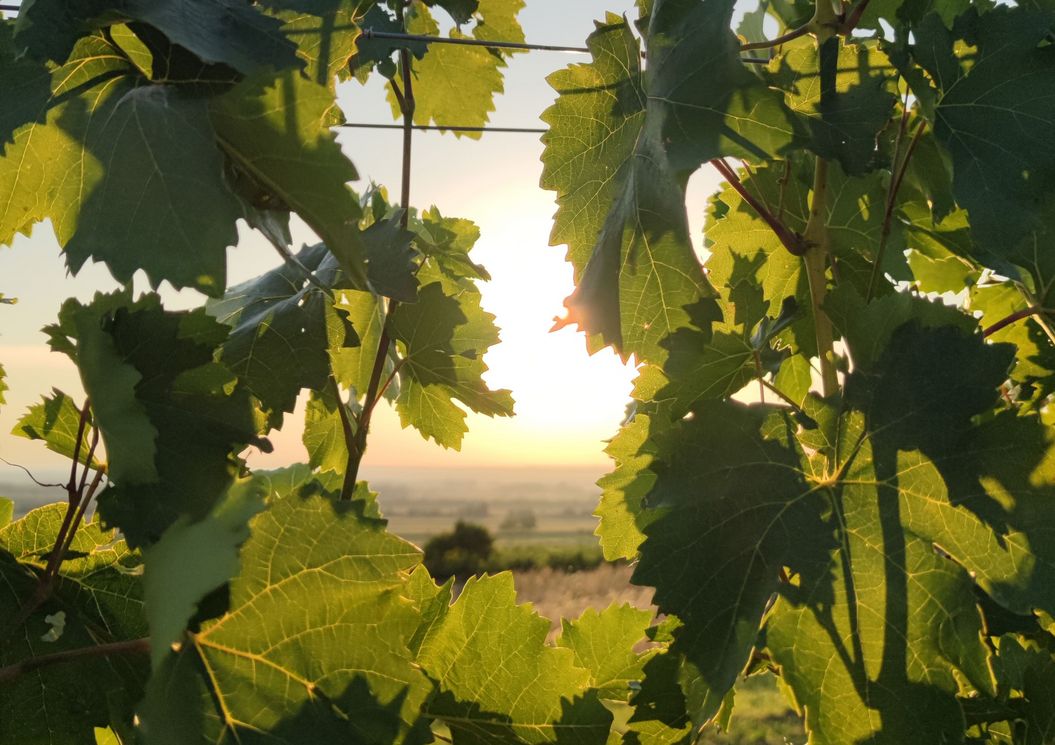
(129, 175)
(284, 329)
(353, 365)
(442, 339)
(172, 419)
(461, 10)
(391, 260)
(313, 647)
(326, 35)
(100, 594)
(498, 680)
(277, 130)
(193, 559)
(846, 93)
(897, 619)
(217, 31)
(621, 512)
(456, 84)
(324, 436)
(620, 204)
(992, 115)
(3, 384)
(55, 421)
(735, 508)
(111, 382)
(603, 643)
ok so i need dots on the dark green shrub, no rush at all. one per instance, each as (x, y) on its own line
(460, 553)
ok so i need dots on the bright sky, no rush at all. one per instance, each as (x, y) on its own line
(567, 402)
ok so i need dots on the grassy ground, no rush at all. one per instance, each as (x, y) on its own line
(761, 716)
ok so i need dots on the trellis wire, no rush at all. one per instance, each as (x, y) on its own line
(369, 33)
(443, 128)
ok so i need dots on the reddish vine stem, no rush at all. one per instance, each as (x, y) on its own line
(782, 39)
(357, 447)
(888, 212)
(854, 17)
(11, 673)
(1018, 315)
(793, 242)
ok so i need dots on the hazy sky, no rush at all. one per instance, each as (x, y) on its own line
(567, 402)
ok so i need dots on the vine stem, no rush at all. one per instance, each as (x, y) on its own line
(782, 39)
(792, 241)
(13, 672)
(816, 259)
(357, 447)
(888, 211)
(77, 505)
(1018, 315)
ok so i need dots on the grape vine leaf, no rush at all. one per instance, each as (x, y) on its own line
(621, 512)
(119, 415)
(353, 365)
(1002, 161)
(442, 339)
(119, 167)
(460, 10)
(277, 130)
(3, 384)
(717, 464)
(100, 595)
(326, 35)
(324, 435)
(55, 421)
(498, 680)
(216, 31)
(192, 559)
(456, 84)
(846, 93)
(603, 642)
(284, 329)
(152, 373)
(851, 510)
(313, 646)
(620, 146)
(897, 618)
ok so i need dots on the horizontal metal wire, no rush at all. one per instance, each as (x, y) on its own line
(444, 128)
(369, 33)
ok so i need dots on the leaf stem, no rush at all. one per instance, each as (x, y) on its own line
(888, 212)
(815, 259)
(793, 242)
(782, 39)
(1018, 315)
(11, 673)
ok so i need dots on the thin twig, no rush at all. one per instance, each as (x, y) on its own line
(79, 517)
(792, 241)
(1018, 315)
(31, 476)
(13, 672)
(782, 39)
(82, 424)
(888, 212)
